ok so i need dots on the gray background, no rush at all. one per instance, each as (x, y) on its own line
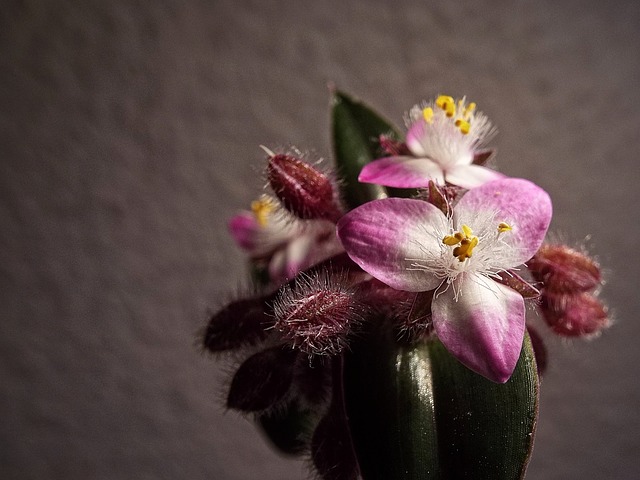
(129, 135)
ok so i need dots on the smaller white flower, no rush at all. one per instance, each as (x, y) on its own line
(287, 243)
(445, 138)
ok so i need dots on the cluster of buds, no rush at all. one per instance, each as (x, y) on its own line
(441, 264)
(570, 281)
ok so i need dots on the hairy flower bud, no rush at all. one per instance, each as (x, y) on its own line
(262, 380)
(303, 190)
(317, 314)
(574, 315)
(563, 269)
(240, 323)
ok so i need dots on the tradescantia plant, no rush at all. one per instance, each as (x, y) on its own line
(386, 334)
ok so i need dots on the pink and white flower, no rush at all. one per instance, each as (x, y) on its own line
(411, 245)
(287, 243)
(445, 138)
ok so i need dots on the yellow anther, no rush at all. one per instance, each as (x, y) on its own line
(261, 209)
(466, 241)
(451, 240)
(463, 125)
(444, 99)
(427, 113)
(467, 111)
(504, 227)
(448, 104)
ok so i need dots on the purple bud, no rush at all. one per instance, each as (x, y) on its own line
(262, 380)
(312, 380)
(563, 269)
(437, 196)
(517, 283)
(240, 323)
(576, 315)
(303, 190)
(392, 147)
(317, 314)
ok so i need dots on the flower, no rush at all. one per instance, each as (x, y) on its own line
(287, 243)
(411, 245)
(445, 139)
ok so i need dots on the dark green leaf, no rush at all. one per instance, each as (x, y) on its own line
(416, 413)
(356, 129)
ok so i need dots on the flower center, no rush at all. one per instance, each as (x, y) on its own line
(261, 209)
(465, 241)
(458, 111)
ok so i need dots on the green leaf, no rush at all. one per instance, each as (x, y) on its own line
(416, 413)
(356, 129)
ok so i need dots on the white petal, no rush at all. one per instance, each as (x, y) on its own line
(482, 324)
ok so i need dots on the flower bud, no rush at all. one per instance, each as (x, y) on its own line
(303, 190)
(312, 379)
(440, 196)
(564, 270)
(393, 147)
(262, 380)
(240, 323)
(574, 315)
(317, 314)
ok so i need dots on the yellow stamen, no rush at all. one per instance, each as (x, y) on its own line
(467, 111)
(261, 209)
(450, 240)
(427, 113)
(447, 104)
(504, 227)
(466, 241)
(463, 125)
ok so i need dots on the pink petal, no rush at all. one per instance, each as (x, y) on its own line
(521, 204)
(244, 229)
(471, 176)
(402, 172)
(387, 237)
(484, 327)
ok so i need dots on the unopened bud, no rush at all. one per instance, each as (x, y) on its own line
(574, 315)
(563, 269)
(240, 323)
(303, 190)
(317, 314)
(312, 380)
(393, 147)
(438, 196)
(262, 380)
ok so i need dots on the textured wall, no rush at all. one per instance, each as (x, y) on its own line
(129, 134)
